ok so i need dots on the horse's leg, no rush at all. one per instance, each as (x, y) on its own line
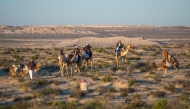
(62, 69)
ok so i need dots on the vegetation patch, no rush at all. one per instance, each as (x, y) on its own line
(159, 94)
(107, 79)
(170, 88)
(78, 94)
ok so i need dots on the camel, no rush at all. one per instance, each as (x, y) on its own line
(13, 70)
(122, 54)
(164, 65)
(87, 58)
(64, 62)
(68, 60)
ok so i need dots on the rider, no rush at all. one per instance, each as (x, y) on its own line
(119, 45)
(20, 68)
(87, 49)
(76, 52)
(167, 55)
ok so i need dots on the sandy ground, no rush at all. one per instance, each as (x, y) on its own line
(10, 85)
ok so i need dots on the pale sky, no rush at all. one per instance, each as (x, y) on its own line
(95, 12)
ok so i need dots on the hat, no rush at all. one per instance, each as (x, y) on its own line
(86, 43)
(76, 46)
(83, 81)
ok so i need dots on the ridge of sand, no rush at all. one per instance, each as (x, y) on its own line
(109, 41)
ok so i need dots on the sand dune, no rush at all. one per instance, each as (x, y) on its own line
(110, 41)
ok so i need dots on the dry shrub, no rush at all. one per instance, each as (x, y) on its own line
(109, 96)
(78, 94)
(159, 94)
(46, 92)
(107, 79)
(132, 82)
(101, 90)
(170, 88)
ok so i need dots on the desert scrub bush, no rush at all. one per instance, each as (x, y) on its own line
(6, 52)
(136, 96)
(35, 57)
(5, 62)
(20, 79)
(78, 94)
(170, 87)
(152, 73)
(184, 83)
(17, 57)
(138, 104)
(64, 105)
(109, 96)
(128, 90)
(93, 105)
(101, 90)
(46, 92)
(159, 94)
(129, 70)
(107, 79)
(187, 74)
(113, 69)
(184, 97)
(111, 89)
(132, 82)
(95, 77)
(155, 53)
(29, 85)
(176, 104)
(156, 77)
(145, 68)
(134, 58)
(161, 104)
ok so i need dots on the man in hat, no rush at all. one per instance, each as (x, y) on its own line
(87, 49)
(76, 52)
(119, 45)
(31, 66)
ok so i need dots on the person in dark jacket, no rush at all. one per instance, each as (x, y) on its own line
(87, 49)
(31, 67)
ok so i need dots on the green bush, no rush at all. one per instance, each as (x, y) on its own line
(132, 82)
(47, 91)
(107, 79)
(161, 104)
(111, 89)
(93, 105)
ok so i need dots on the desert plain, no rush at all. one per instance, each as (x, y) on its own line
(133, 85)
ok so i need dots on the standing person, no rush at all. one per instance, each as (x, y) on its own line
(83, 85)
(31, 66)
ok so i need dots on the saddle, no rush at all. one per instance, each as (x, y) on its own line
(118, 51)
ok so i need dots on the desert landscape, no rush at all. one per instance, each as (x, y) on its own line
(134, 85)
